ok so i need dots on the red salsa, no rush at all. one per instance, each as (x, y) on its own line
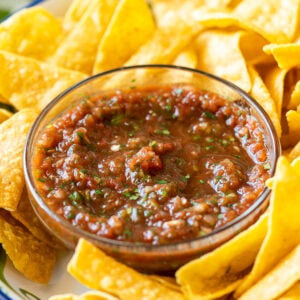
(152, 165)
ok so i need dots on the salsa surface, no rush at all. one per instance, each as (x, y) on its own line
(152, 165)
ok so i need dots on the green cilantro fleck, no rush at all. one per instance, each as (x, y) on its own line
(162, 131)
(160, 181)
(41, 179)
(186, 178)
(267, 166)
(127, 232)
(116, 120)
(201, 181)
(147, 213)
(168, 107)
(209, 115)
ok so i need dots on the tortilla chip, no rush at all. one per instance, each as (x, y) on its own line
(13, 134)
(131, 25)
(25, 215)
(167, 281)
(295, 97)
(261, 94)
(287, 56)
(293, 120)
(30, 256)
(96, 270)
(274, 81)
(163, 47)
(275, 20)
(79, 48)
(187, 58)
(32, 32)
(219, 272)
(295, 152)
(228, 63)
(283, 276)
(292, 294)
(4, 115)
(92, 295)
(75, 12)
(283, 224)
(36, 84)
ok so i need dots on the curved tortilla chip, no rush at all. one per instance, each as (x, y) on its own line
(283, 276)
(92, 295)
(219, 272)
(287, 56)
(31, 32)
(13, 133)
(30, 256)
(35, 84)
(131, 25)
(98, 271)
(4, 115)
(283, 223)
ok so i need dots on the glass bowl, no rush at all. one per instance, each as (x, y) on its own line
(149, 258)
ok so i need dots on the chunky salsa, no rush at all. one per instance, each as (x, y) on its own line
(152, 165)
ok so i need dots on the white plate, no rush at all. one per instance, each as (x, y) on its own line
(13, 285)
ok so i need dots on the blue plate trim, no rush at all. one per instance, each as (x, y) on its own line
(31, 4)
(4, 296)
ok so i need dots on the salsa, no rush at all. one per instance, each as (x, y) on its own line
(154, 165)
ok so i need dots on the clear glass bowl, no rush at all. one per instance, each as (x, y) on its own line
(148, 258)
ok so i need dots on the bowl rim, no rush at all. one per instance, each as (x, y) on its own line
(133, 246)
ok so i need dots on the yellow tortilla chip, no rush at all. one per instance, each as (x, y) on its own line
(32, 32)
(278, 280)
(283, 223)
(274, 81)
(292, 294)
(287, 56)
(293, 120)
(275, 20)
(79, 48)
(96, 270)
(4, 115)
(75, 12)
(219, 272)
(228, 63)
(30, 256)
(92, 295)
(167, 281)
(13, 134)
(163, 47)
(295, 97)
(36, 85)
(261, 94)
(25, 215)
(131, 25)
(295, 152)
(187, 58)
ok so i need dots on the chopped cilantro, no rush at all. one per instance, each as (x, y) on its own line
(162, 131)
(267, 166)
(147, 213)
(201, 181)
(41, 179)
(186, 178)
(83, 171)
(168, 107)
(153, 143)
(80, 135)
(127, 232)
(160, 181)
(116, 120)
(98, 192)
(209, 115)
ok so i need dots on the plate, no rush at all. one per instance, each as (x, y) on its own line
(13, 285)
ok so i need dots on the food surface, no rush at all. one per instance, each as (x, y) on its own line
(48, 48)
(152, 165)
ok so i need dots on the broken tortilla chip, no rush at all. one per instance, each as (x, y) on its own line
(13, 134)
